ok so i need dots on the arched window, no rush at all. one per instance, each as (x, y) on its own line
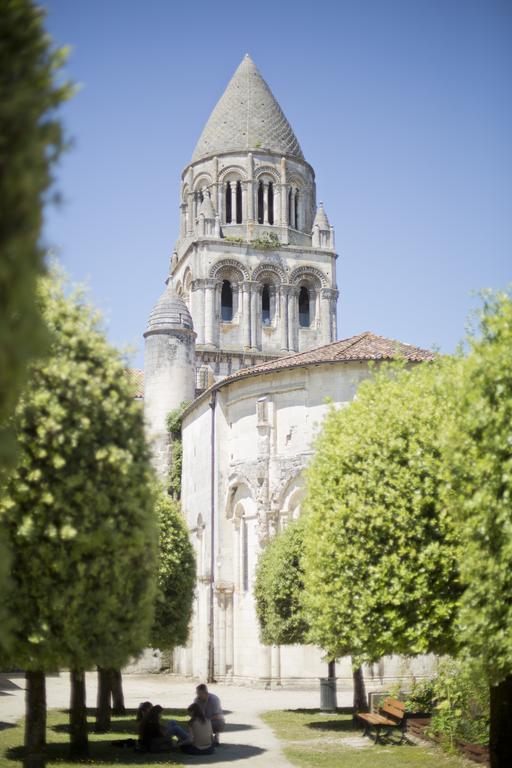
(270, 203)
(238, 202)
(296, 212)
(229, 212)
(304, 314)
(226, 301)
(260, 203)
(265, 305)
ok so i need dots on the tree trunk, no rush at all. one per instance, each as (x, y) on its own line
(117, 693)
(103, 710)
(35, 723)
(360, 700)
(500, 731)
(78, 739)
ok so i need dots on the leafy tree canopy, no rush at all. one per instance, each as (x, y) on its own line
(380, 551)
(31, 141)
(176, 577)
(78, 509)
(279, 588)
(479, 454)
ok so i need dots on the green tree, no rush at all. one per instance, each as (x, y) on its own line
(380, 551)
(79, 513)
(280, 598)
(31, 141)
(279, 589)
(176, 577)
(479, 455)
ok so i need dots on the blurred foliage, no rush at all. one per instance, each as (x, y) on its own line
(174, 419)
(380, 556)
(461, 696)
(176, 577)
(79, 507)
(31, 141)
(479, 494)
(279, 588)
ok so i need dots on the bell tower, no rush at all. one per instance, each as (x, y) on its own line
(255, 260)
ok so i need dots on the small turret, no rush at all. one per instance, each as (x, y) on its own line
(322, 232)
(208, 223)
(169, 369)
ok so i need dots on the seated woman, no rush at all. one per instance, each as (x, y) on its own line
(199, 732)
(152, 735)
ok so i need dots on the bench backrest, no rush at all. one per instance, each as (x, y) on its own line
(393, 708)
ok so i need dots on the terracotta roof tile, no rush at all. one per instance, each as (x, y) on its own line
(365, 346)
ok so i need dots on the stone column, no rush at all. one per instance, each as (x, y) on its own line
(276, 664)
(190, 222)
(246, 315)
(250, 187)
(292, 320)
(328, 313)
(254, 315)
(284, 318)
(265, 202)
(220, 202)
(229, 631)
(277, 204)
(233, 202)
(244, 201)
(221, 650)
(209, 312)
(197, 309)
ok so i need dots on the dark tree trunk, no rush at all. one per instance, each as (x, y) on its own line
(360, 700)
(35, 723)
(500, 732)
(78, 739)
(117, 693)
(103, 710)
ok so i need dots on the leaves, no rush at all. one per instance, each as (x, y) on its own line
(79, 508)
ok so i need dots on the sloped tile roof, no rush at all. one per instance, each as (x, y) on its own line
(363, 347)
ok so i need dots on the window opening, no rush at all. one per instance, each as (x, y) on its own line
(304, 316)
(229, 212)
(238, 203)
(226, 301)
(296, 209)
(290, 221)
(270, 203)
(260, 203)
(265, 305)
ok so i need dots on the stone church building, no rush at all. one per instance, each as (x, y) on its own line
(245, 332)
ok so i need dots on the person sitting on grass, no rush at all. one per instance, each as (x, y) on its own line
(212, 709)
(152, 735)
(142, 709)
(200, 733)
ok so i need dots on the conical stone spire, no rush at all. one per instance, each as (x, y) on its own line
(247, 117)
(321, 219)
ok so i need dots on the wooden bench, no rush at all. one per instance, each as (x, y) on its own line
(391, 716)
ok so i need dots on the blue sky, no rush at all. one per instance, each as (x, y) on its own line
(403, 107)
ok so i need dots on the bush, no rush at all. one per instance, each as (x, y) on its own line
(422, 697)
(461, 692)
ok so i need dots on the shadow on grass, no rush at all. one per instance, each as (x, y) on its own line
(6, 726)
(316, 711)
(333, 725)
(122, 723)
(104, 752)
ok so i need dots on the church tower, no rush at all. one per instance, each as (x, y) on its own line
(255, 259)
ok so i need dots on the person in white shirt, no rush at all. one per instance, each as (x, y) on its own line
(211, 708)
(200, 734)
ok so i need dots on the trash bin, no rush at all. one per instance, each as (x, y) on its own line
(328, 694)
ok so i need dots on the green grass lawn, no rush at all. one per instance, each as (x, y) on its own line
(314, 740)
(102, 751)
